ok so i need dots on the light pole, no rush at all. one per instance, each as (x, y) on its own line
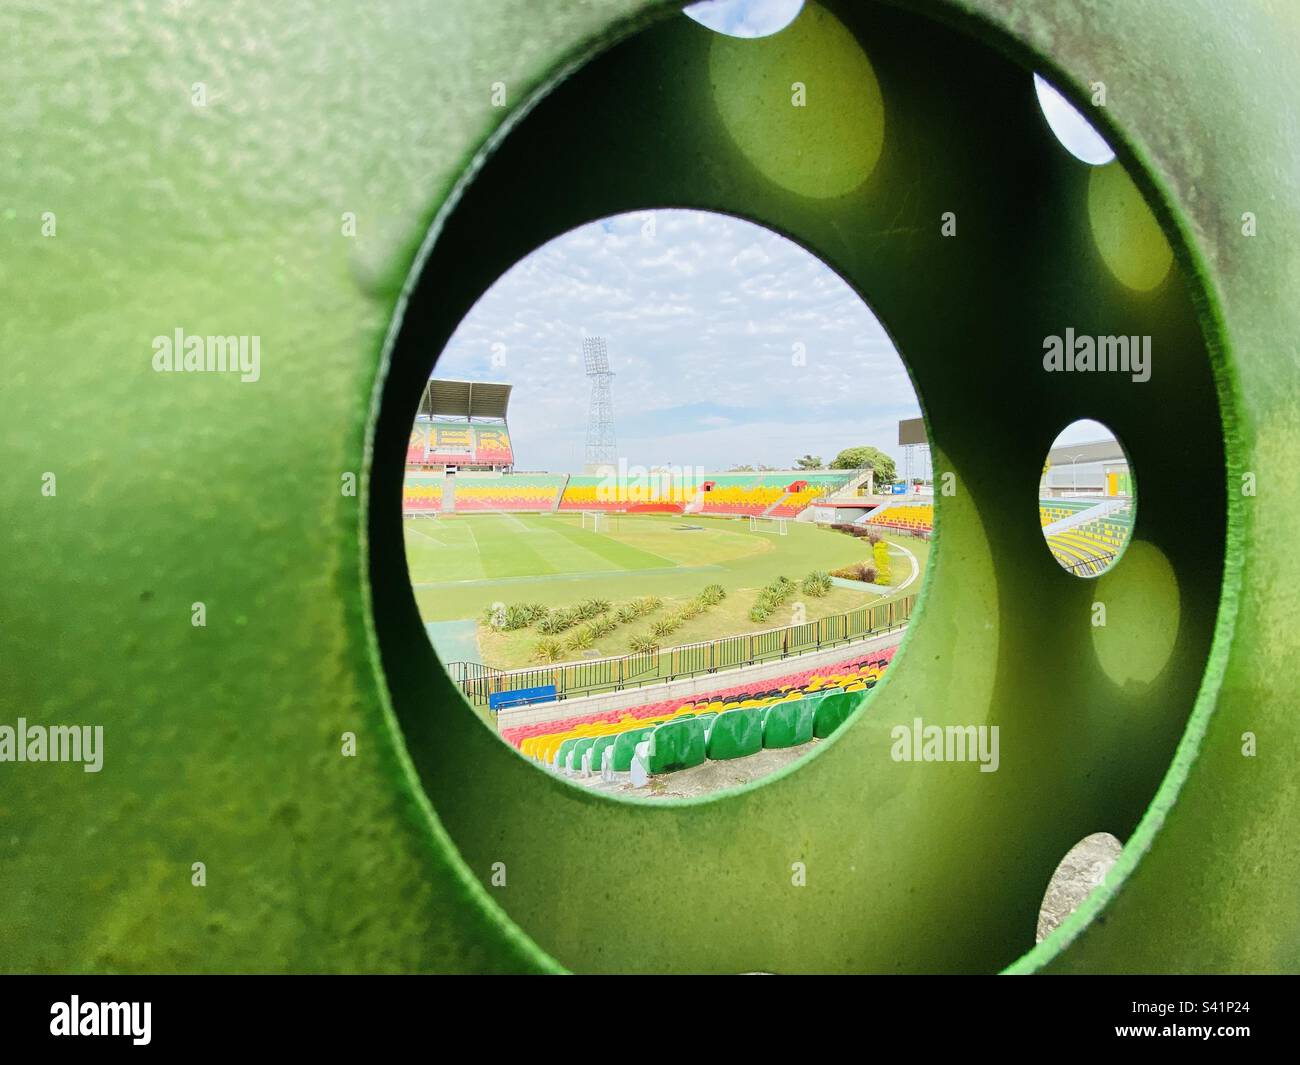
(1074, 472)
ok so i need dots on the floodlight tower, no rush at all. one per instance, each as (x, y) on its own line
(601, 448)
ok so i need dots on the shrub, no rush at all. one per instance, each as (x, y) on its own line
(881, 552)
(591, 608)
(692, 608)
(581, 639)
(627, 613)
(859, 571)
(643, 643)
(774, 594)
(664, 627)
(514, 616)
(557, 620)
(548, 650)
(760, 611)
(713, 594)
(817, 584)
(648, 604)
(602, 626)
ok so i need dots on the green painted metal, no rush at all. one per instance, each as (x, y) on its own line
(222, 742)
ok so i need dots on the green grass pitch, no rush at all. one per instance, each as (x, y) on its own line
(462, 564)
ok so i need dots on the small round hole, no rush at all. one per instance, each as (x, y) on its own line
(745, 18)
(1070, 127)
(1077, 876)
(1086, 499)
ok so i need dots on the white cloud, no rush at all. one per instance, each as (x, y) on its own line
(701, 320)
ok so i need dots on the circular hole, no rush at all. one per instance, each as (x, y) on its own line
(641, 126)
(745, 18)
(1087, 500)
(657, 531)
(1077, 876)
(1074, 131)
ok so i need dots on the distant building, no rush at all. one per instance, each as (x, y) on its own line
(1097, 468)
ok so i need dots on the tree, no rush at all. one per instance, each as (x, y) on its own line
(856, 458)
(809, 462)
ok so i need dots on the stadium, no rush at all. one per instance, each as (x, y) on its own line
(623, 623)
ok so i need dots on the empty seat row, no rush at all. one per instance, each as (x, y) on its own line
(865, 670)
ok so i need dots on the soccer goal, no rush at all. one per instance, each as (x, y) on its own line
(775, 526)
(595, 520)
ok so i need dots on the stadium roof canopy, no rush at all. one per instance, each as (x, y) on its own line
(464, 399)
(1093, 451)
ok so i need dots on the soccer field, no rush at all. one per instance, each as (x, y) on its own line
(462, 564)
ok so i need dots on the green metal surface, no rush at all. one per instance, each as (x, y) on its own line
(223, 742)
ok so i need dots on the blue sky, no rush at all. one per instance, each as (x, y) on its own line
(745, 18)
(702, 315)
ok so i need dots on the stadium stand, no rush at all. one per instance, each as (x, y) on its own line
(730, 723)
(916, 517)
(751, 498)
(461, 424)
(597, 493)
(1087, 548)
(803, 493)
(512, 491)
(459, 444)
(422, 493)
(782, 494)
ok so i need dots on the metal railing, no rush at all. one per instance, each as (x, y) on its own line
(638, 669)
(1088, 567)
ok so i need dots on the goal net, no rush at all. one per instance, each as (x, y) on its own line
(775, 526)
(594, 520)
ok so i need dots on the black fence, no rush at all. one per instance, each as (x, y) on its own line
(1088, 567)
(478, 681)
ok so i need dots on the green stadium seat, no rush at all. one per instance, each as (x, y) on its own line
(789, 724)
(832, 711)
(602, 744)
(580, 747)
(562, 755)
(677, 745)
(736, 733)
(625, 747)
